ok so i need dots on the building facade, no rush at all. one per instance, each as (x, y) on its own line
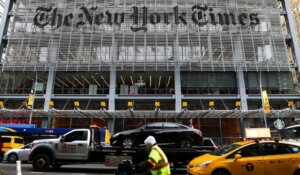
(198, 59)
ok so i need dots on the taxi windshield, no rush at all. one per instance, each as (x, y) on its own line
(225, 150)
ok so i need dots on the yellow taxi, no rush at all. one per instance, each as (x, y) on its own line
(250, 157)
(10, 142)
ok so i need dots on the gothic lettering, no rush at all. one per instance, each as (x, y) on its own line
(179, 16)
(99, 18)
(154, 18)
(242, 17)
(201, 15)
(56, 17)
(67, 19)
(41, 19)
(254, 19)
(135, 16)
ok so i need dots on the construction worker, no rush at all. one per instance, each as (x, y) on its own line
(157, 162)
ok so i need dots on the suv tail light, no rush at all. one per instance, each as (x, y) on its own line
(2, 147)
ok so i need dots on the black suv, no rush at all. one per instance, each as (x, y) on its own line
(165, 133)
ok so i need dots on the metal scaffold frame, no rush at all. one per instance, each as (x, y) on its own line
(85, 30)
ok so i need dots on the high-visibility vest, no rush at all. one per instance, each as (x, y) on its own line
(159, 161)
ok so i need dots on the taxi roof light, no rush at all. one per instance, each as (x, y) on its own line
(257, 133)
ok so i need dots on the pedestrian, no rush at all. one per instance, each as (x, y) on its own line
(157, 162)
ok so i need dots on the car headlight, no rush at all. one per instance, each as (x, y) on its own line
(204, 164)
(115, 135)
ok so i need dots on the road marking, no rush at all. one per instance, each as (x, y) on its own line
(36, 172)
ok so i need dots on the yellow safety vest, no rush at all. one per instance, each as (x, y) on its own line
(159, 161)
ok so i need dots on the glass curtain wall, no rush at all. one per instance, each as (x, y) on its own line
(145, 83)
(208, 83)
(89, 83)
(22, 82)
(273, 82)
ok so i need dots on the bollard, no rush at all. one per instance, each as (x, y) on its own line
(18, 167)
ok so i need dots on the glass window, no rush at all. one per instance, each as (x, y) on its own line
(207, 142)
(77, 135)
(18, 140)
(6, 140)
(171, 126)
(249, 151)
(294, 149)
(276, 148)
(293, 133)
(226, 150)
(27, 146)
(154, 126)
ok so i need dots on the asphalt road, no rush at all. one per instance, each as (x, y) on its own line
(75, 169)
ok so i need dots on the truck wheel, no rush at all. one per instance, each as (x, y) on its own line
(185, 143)
(128, 143)
(41, 162)
(12, 158)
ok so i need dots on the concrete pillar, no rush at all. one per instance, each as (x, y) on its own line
(112, 96)
(177, 84)
(51, 80)
(113, 80)
(241, 85)
(177, 78)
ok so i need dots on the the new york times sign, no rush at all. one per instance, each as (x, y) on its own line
(200, 15)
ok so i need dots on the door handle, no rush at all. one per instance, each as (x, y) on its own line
(293, 160)
(260, 161)
(80, 144)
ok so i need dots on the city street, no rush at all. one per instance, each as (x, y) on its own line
(77, 169)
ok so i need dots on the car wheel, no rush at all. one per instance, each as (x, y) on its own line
(221, 172)
(12, 158)
(128, 143)
(41, 162)
(185, 143)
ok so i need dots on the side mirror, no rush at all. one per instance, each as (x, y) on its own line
(237, 156)
(62, 139)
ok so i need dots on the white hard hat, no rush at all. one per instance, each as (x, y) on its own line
(150, 141)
